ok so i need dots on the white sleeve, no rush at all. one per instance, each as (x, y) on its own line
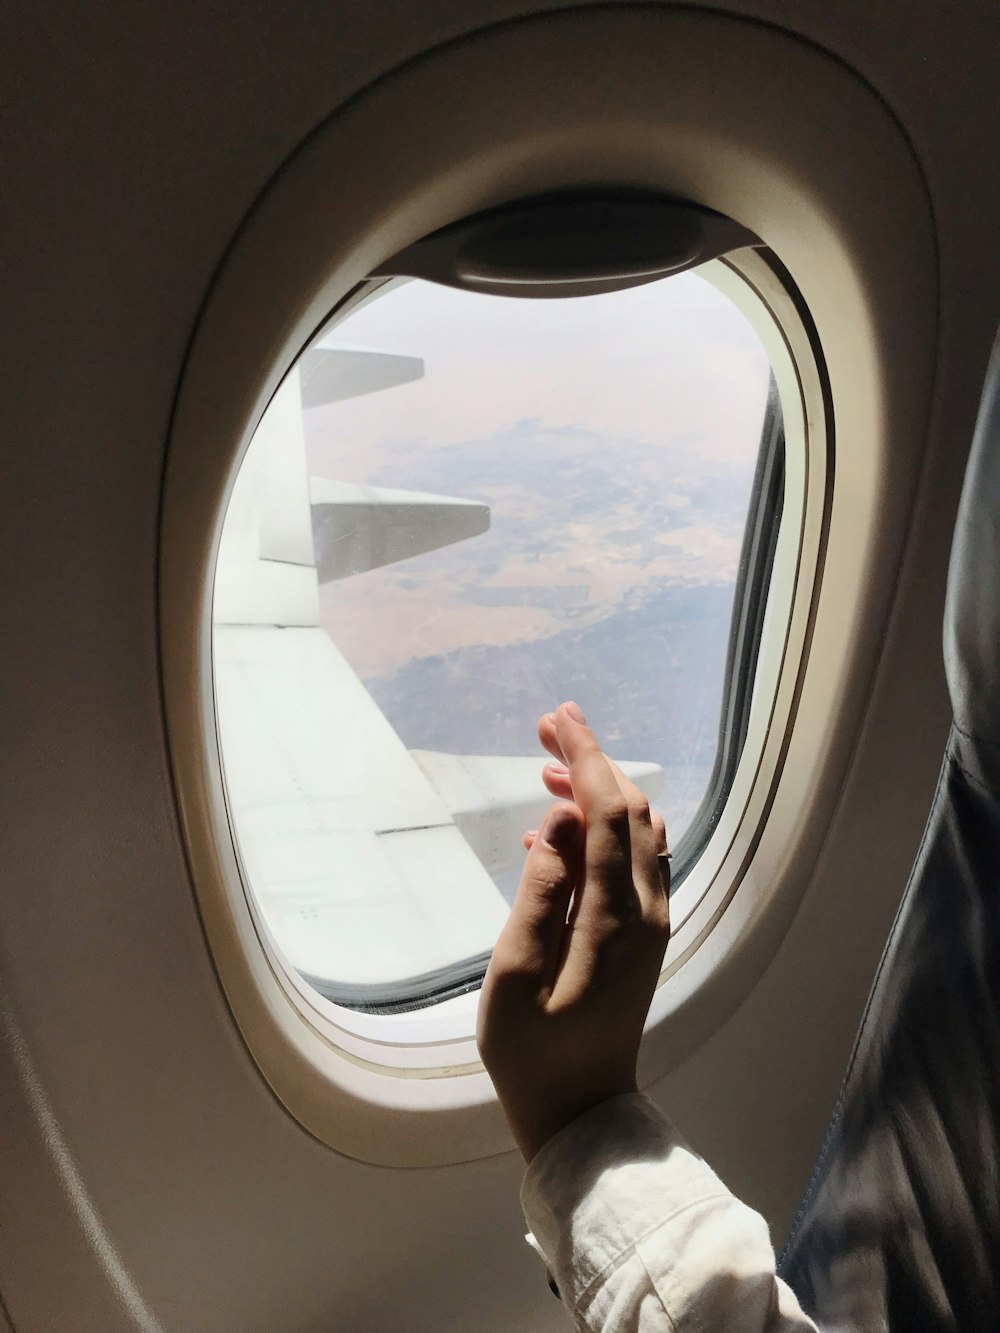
(641, 1236)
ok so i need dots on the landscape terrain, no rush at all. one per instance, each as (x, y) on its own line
(614, 441)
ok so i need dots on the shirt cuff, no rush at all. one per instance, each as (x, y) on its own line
(604, 1182)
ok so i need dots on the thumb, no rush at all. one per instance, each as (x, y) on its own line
(552, 869)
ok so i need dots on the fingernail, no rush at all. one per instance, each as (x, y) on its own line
(559, 829)
(575, 713)
(558, 768)
(550, 717)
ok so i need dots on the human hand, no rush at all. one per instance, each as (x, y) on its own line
(573, 972)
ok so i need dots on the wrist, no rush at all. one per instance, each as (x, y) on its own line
(534, 1127)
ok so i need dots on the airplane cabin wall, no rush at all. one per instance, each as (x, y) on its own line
(151, 1179)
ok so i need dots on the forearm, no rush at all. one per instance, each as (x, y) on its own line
(642, 1236)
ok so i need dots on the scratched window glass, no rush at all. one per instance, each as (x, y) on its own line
(458, 511)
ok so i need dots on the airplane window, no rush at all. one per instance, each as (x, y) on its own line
(458, 510)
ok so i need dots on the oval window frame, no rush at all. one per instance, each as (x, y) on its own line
(699, 845)
(307, 245)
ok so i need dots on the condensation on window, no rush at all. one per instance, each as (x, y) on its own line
(458, 511)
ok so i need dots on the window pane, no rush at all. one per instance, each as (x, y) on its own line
(458, 511)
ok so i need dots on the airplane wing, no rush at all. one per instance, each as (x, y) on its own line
(370, 863)
(357, 863)
(362, 527)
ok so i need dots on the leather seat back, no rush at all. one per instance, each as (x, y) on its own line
(900, 1227)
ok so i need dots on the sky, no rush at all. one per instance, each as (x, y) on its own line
(668, 359)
